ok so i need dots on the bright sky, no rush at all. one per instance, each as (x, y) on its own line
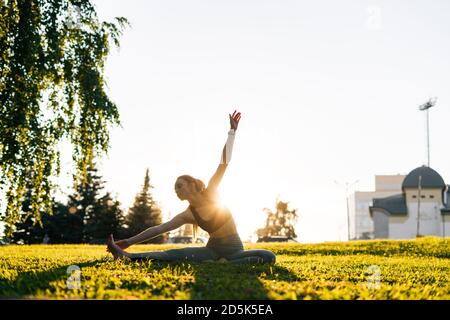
(328, 90)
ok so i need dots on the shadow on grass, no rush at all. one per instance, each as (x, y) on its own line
(217, 281)
(212, 280)
(28, 284)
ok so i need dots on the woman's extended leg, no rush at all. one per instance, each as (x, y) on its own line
(252, 256)
(194, 254)
(185, 254)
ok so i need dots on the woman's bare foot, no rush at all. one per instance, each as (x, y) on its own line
(116, 251)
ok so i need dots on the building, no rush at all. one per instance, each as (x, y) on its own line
(360, 222)
(421, 208)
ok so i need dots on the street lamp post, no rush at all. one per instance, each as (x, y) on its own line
(348, 215)
(426, 107)
(347, 186)
(418, 206)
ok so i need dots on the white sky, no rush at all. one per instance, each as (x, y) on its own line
(328, 90)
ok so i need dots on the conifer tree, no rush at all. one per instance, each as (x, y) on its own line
(83, 202)
(144, 213)
(99, 215)
(106, 218)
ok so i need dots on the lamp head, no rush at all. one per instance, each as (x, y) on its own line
(427, 105)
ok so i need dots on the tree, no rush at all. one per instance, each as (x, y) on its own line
(87, 216)
(64, 225)
(52, 88)
(106, 218)
(60, 227)
(279, 222)
(98, 215)
(145, 213)
(84, 200)
(28, 230)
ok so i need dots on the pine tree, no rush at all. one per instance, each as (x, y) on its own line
(97, 215)
(145, 213)
(64, 226)
(86, 217)
(279, 222)
(106, 218)
(29, 229)
(59, 227)
(82, 203)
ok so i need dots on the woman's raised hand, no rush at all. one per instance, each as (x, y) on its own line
(234, 120)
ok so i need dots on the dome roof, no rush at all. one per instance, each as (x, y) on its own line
(394, 205)
(430, 179)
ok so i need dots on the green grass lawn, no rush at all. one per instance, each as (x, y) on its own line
(412, 269)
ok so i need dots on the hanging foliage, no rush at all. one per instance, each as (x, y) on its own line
(52, 87)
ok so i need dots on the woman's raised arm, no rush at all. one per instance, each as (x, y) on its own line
(226, 153)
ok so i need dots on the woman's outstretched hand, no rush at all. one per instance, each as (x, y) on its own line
(123, 244)
(234, 119)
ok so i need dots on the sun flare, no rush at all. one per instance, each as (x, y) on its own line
(246, 210)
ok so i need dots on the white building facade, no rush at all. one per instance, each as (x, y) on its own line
(360, 221)
(422, 208)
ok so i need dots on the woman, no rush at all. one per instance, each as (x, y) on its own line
(205, 211)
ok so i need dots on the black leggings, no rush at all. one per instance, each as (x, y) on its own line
(230, 248)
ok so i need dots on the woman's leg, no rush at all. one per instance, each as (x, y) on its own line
(194, 254)
(252, 256)
(184, 254)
